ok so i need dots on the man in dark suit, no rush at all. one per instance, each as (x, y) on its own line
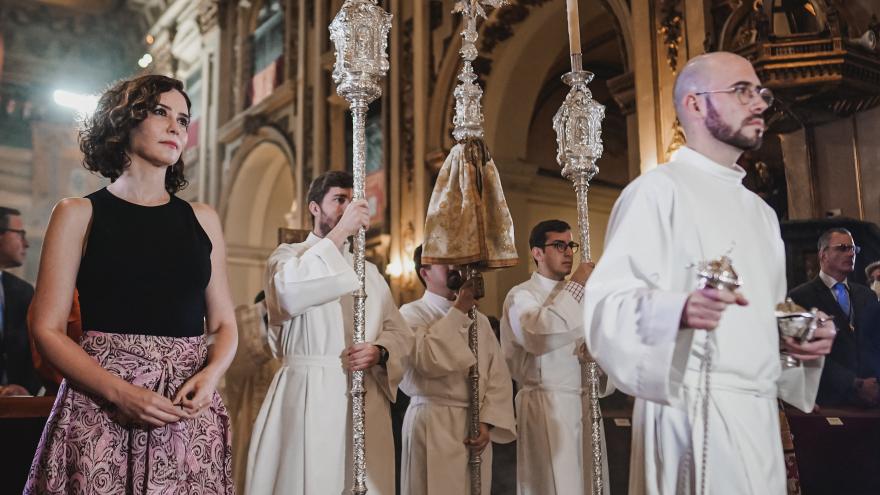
(17, 374)
(850, 373)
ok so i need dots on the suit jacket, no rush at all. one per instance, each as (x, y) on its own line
(855, 353)
(15, 344)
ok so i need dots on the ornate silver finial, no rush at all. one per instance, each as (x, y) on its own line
(468, 119)
(360, 33)
(718, 274)
(578, 126)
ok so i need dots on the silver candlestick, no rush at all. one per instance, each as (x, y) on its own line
(578, 126)
(360, 34)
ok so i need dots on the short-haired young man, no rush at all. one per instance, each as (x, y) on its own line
(300, 444)
(541, 332)
(434, 459)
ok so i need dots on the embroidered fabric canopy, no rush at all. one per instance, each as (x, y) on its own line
(468, 221)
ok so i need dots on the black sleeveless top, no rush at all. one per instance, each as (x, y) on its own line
(145, 268)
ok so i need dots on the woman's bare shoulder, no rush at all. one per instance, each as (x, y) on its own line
(72, 211)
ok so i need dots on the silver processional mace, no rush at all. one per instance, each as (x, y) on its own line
(468, 122)
(578, 126)
(475, 460)
(360, 34)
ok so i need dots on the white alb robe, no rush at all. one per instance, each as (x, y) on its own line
(684, 212)
(541, 328)
(300, 444)
(434, 459)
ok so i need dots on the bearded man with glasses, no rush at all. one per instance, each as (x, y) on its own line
(541, 335)
(649, 325)
(850, 374)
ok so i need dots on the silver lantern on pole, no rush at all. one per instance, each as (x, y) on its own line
(578, 126)
(360, 34)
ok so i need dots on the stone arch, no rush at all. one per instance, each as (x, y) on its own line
(525, 57)
(264, 134)
(261, 196)
(528, 58)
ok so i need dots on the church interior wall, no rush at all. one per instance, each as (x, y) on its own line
(868, 153)
(837, 168)
(845, 157)
(797, 153)
(254, 162)
(46, 47)
(261, 200)
(832, 166)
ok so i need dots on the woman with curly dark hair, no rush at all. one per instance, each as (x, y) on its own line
(138, 411)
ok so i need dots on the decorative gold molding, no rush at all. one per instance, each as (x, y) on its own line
(678, 139)
(671, 26)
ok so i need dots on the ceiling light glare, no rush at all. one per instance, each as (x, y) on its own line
(82, 104)
(145, 61)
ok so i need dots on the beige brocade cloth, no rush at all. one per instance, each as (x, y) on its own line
(468, 220)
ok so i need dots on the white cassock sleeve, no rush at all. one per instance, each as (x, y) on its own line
(632, 312)
(442, 348)
(539, 326)
(396, 337)
(497, 406)
(301, 279)
(797, 386)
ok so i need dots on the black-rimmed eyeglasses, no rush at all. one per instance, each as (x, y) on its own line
(745, 93)
(561, 246)
(20, 232)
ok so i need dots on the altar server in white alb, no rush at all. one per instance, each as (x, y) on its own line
(301, 439)
(542, 337)
(434, 459)
(642, 306)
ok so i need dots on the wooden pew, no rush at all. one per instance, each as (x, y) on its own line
(838, 450)
(21, 424)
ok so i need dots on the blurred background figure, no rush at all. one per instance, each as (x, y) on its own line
(872, 275)
(17, 374)
(246, 381)
(849, 377)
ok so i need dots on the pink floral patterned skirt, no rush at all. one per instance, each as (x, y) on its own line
(83, 450)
